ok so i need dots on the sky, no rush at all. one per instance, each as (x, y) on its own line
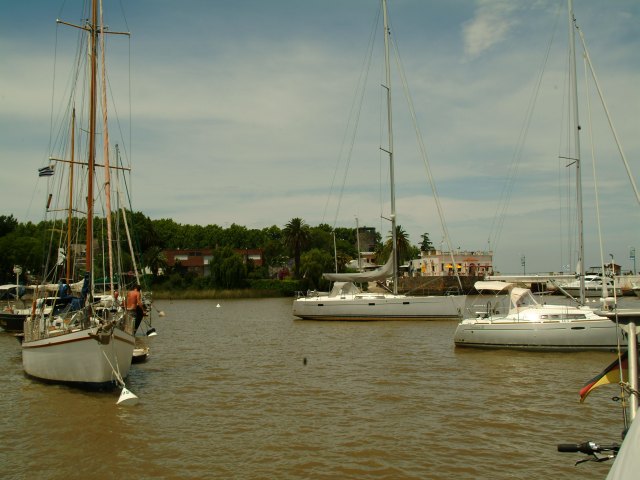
(243, 112)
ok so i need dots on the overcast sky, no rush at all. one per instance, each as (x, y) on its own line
(240, 109)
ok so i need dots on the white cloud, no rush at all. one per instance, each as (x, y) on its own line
(241, 119)
(492, 23)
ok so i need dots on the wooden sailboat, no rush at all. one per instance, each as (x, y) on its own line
(346, 301)
(85, 338)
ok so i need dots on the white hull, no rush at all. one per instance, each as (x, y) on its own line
(570, 335)
(592, 287)
(79, 358)
(527, 324)
(591, 292)
(367, 307)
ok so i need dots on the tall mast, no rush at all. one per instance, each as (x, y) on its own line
(389, 149)
(93, 45)
(105, 144)
(68, 271)
(576, 129)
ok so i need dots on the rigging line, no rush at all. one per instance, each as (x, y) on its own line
(130, 105)
(505, 196)
(565, 145)
(604, 105)
(125, 220)
(105, 146)
(124, 17)
(425, 158)
(53, 85)
(117, 116)
(595, 178)
(136, 255)
(353, 121)
(124, 146)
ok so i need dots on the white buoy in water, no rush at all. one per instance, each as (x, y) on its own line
(127, 397)
(218, 306)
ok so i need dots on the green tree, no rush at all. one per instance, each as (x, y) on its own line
(170, 234)
(314, 263)
(404, 249)
(426, 245)
(155, 259)
(273, 249)
(233, 272)
(19, 249)
(227, 268)
(7, 224)
(296, 238)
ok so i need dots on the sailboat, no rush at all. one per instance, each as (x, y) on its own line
(525, 323)
(593, 285)
(528, 324)
(86, 339)
(346, 301)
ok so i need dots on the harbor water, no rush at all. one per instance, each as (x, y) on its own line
(240, 389)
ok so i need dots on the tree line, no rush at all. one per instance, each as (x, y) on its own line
(309, 250)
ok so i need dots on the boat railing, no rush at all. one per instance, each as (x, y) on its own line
(485, 310)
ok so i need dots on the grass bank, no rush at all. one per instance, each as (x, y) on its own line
(263, 288)
(188, 294)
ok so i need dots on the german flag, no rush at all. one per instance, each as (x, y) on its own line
(611, 374)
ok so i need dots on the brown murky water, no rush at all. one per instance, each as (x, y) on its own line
(227, 393)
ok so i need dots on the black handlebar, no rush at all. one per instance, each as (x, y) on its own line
(589, 448)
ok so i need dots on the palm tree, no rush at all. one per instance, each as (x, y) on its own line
(155, 259)
(403, 245)
(296, 236)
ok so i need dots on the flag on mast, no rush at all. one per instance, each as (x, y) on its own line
(45, 171)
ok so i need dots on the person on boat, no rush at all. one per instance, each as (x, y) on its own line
(135, 306)
(65, 299)
(64, 290)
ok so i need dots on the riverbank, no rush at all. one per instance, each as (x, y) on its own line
(213, 294)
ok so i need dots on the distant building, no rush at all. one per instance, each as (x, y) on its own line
(366, 239)
(365, 262)
(198, 260)
(437, 263)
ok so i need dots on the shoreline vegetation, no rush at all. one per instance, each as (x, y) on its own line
(293, 258)
(262, 288)
(217, 293)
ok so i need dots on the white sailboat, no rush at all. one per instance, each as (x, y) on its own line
(527, 324)
(348, 302)
(593, 286)
(88, 340)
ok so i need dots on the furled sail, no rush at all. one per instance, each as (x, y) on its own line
(378, 274)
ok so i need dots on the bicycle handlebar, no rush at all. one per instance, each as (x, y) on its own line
(590, 448)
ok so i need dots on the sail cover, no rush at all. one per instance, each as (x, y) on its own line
(378, 274)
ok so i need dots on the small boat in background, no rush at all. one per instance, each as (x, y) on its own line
(593, 287)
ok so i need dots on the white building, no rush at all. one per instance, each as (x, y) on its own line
(436, 263)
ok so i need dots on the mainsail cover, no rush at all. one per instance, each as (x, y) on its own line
(371, 276)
